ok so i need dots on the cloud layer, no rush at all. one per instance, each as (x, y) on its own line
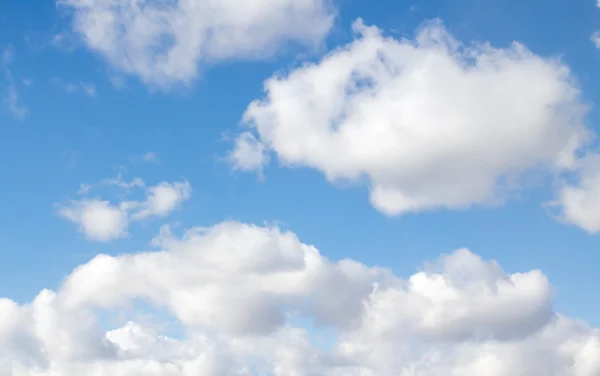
(239, 294)
(429, 123)
(163, 42)
(105, 220)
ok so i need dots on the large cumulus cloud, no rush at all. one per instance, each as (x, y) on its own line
(240, 294)
(429, 123)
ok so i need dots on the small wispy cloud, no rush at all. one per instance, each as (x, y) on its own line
(596, 38)
(8, 55)
(15, 105)
(118, 82)
(12, 99)
(88, 89)
(148, 157)
(64, 41)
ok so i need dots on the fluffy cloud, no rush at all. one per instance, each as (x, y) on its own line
(163, 42)
(429, 123)
(103, 220)
(238, 290)
(580, 201)
(12, 99)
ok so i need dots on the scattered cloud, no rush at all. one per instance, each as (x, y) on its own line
(148, 157)
(118, 82)
(98, 219)
(8, 55)
(64, 41)
(163, 43)
(248, 154)
(596, 38)
(239, 292)
(103, 220)
(580, 201)
(27, 82)
(416, 118)
(73, 88)
(15, 104)
(13, 101)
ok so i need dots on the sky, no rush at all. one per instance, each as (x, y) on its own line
(299, 187)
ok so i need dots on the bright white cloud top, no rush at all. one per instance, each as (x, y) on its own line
(238, 291)
(429, 123)
(105, 220)
(163, 42)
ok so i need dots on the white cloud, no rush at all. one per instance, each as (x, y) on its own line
(237, 290)
(162, 199)
(430, 123)
(163, 43)
(102, 220)
(12, 99)
(16, 106)
(88, 89)
(8, 55)
(148, 157)
(580, 201)
(99, 220)
(596, 38)
(248, 153)
(118, 82)
(65, 41)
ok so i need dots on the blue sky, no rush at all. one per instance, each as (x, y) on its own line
(82, 127)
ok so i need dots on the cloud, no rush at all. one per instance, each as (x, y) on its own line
(12, 99)
(163, 43)
(148, 157)
(88, 89)
(98, 220)
(248, 154)
(16, 106)
(580, 200)
(162, 199)
(237, 292)
(429, 123)
(8, 55)
(64, 41)
(102, 220)
(596, 38)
